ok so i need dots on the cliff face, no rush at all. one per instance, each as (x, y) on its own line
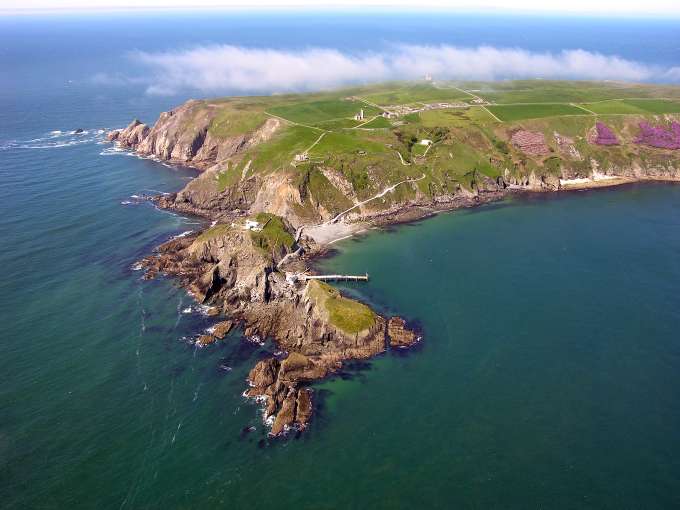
(183, 136)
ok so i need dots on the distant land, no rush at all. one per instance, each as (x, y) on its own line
(285, 176)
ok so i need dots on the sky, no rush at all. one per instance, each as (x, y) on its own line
(597, 7)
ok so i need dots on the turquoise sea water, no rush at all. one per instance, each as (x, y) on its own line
(548, 373)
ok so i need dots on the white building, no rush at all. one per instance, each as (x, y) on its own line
(253, 225)
(360, 115)
(301, 157)
(425, 141)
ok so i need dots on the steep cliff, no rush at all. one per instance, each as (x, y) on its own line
(184, 135)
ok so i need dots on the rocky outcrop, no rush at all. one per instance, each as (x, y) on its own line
(204, 340)
(533, 182)
(222, 329)
(223, 267)
(277, 384)
(130, 136)
(183, 136)
(218, 332)
(399, 335)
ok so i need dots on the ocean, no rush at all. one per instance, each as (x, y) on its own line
(548, 372)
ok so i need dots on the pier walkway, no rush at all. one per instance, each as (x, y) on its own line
(293, 278)
(335, 277)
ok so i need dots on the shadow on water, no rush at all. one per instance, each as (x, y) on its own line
(242, 351)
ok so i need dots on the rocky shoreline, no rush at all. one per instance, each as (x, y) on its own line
(225, 270)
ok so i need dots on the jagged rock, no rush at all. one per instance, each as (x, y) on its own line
(304, 408)
(131, 136)
(204, 340)
(222, 329)
(286, 414)
(399, 334)
(265, 373)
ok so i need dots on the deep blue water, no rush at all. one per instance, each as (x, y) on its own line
(549, 373)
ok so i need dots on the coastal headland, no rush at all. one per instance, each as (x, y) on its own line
(283, 177)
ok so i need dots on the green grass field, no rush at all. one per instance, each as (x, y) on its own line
(346, 141)
(337, 124)
(232, 122)
(420, 93)
(546, 91)
(656, 106)
(319, 111)
(634, 106)
(282, 148)
(615, 106)
(514, 112)
(378, 123)
(455, 117)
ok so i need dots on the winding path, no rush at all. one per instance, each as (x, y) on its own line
(379, 195)
(401, 158)
(317, 141)
(296, 123)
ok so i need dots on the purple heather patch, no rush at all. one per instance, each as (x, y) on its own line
(605, 136)
(660, 137)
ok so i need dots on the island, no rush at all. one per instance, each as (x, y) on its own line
(284, 176)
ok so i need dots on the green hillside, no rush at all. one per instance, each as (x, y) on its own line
(450, 136)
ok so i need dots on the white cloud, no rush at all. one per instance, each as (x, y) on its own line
(214, 69)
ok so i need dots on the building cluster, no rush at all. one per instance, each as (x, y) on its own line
(405, 109)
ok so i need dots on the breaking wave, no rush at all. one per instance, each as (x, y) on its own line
(56, 139)
(183, 234)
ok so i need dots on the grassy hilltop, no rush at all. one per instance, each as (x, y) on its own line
(335, 160)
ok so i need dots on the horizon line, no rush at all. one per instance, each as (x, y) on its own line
(370, 9)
